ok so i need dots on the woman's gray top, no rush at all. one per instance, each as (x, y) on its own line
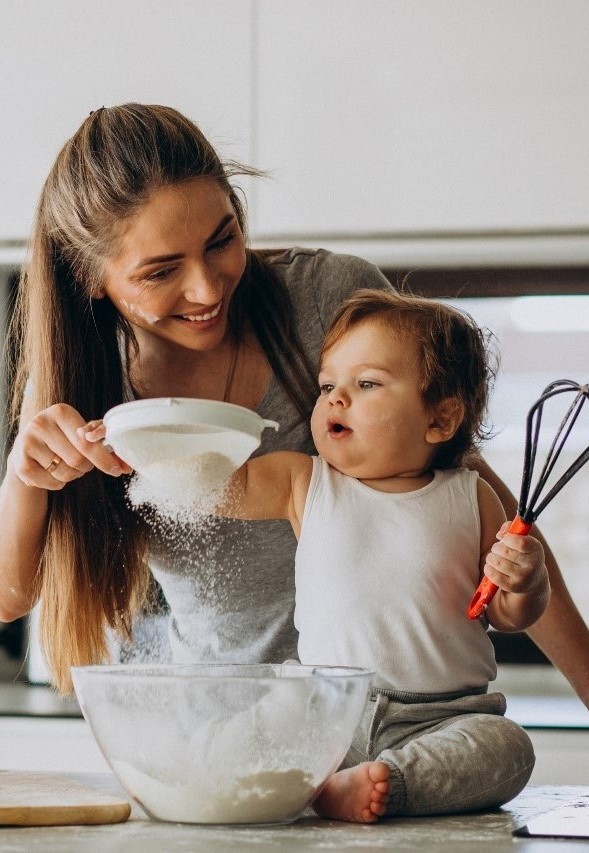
(230, 584)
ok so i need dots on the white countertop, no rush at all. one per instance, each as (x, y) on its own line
(65, 746)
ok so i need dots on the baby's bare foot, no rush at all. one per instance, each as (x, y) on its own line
(356, 794)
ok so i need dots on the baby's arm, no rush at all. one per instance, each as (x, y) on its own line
(271, 486)
(515, 564)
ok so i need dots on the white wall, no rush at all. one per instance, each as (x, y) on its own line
(375, 117)
(61, 59)
(397, 116)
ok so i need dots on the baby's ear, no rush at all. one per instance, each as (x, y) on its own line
(446, 417)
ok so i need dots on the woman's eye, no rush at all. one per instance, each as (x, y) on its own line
(222, 243)
(159, 275)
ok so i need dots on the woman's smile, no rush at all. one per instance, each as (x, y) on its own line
(181, 258)
(204, 318)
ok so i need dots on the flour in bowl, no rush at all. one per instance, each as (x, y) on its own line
(266, 796)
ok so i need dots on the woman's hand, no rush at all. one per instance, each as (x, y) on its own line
(52, 450)
(93, 431)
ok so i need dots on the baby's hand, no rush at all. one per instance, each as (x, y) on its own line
(515, 563)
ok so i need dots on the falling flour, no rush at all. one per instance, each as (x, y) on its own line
(176, 486)
(267, 796)
(185, 490)
(181, 489)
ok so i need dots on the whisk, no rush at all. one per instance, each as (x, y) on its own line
(530, 506)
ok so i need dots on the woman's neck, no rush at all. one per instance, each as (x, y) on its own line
(236, 373)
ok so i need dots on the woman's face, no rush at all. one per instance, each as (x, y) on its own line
(181, 258)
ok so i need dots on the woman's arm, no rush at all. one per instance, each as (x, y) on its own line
(23, 521)
(560, 632)
(31, 473)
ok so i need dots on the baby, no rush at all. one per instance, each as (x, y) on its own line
(394, 536)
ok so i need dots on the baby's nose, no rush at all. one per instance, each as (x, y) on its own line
(339, 395)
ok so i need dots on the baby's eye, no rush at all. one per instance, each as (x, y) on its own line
(326, 387)
(367, 384)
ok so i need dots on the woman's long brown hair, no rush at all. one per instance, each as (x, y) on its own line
(67, 346)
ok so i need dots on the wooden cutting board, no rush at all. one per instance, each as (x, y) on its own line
(44, 799)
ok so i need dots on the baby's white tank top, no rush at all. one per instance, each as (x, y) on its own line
(383, 581)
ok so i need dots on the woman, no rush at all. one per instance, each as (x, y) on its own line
(140, 284)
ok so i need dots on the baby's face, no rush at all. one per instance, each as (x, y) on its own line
(370, 421)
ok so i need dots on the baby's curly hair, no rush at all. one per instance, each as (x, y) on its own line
(457, 357)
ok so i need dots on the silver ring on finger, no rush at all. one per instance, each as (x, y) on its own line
(53, 464)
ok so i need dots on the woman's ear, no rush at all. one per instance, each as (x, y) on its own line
(446, 417)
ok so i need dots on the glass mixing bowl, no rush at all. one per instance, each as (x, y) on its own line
(222, 743)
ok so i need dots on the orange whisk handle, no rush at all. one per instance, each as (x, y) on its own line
(487, 589)
(519, 526)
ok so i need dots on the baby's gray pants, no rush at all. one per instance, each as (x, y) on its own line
(446, 755)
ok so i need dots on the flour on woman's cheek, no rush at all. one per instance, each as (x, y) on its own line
(138, 312)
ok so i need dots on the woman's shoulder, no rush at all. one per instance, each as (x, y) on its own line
(325, 278)
(322, 262)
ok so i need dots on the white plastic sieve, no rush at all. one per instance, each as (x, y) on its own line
(182, 427)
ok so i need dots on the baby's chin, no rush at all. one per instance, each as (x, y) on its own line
(357, 471)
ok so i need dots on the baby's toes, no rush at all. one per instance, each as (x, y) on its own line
(378, 809)
(379, 796)
(369, 815)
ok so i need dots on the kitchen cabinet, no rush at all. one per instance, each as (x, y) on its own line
(389, 116)
(59, 61)
(373, 118)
